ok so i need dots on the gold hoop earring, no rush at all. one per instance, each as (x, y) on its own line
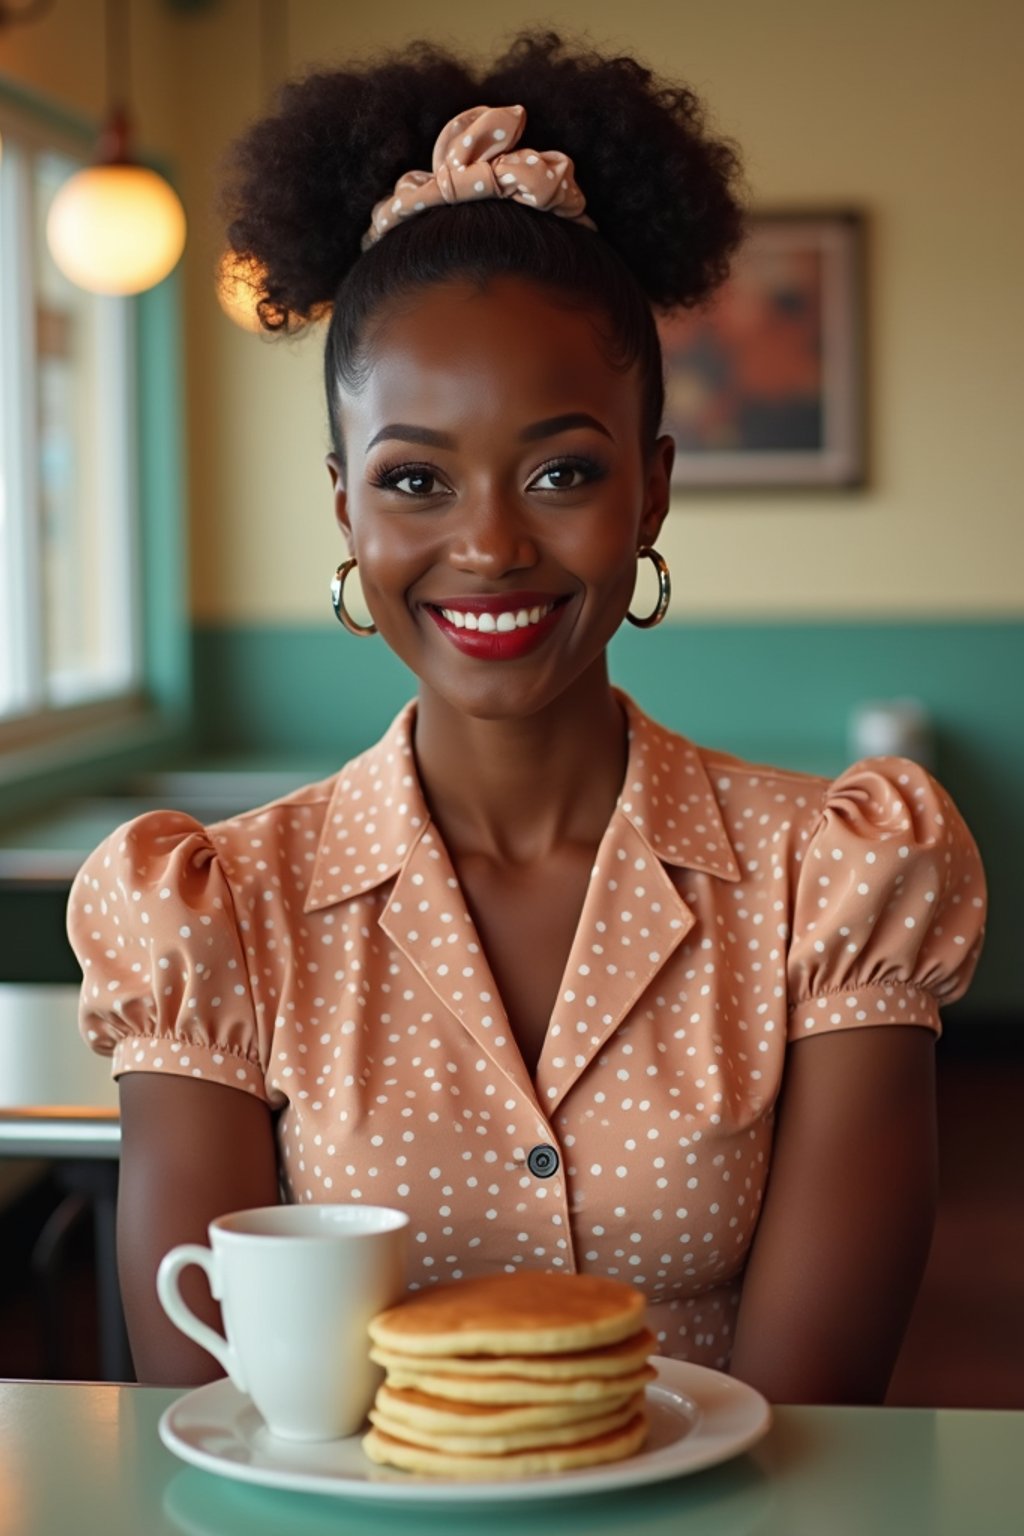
(664, 590)
(341, 613)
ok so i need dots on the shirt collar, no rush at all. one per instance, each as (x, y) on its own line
(377, 813)
(669, 798)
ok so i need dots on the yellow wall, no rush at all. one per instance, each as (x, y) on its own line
(910, 109)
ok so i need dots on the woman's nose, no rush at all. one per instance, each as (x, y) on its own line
(493, 541)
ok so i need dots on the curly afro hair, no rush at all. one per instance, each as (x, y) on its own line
(664, 193)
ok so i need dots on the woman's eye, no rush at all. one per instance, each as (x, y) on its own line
(409, 480)
(568, 475)
(420, 481)
(416, 483)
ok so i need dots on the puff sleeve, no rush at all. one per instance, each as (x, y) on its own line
(165, 985)
(890, 902)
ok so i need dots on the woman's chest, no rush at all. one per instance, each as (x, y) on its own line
(639, 1147)
(651, 1168)
(526, 919)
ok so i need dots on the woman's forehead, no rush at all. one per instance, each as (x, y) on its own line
(470, 348)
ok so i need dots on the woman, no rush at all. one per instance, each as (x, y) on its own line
(573, 991)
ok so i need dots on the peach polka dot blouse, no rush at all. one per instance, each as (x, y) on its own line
(318, 953)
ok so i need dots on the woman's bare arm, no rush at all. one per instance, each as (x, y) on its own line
(841, 1245)
(190, 1151)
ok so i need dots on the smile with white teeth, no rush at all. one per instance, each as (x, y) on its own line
(501, 623)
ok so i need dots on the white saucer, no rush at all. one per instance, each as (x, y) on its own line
(698, 1418)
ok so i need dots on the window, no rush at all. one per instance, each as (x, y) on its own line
(68, 503)
(94, 662)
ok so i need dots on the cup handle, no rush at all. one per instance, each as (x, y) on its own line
(167, 1286)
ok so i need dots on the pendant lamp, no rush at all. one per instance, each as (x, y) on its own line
(238, 281)
(239, 285)
(116, 227)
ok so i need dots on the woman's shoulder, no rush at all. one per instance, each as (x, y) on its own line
(736, 781)
(878, 807)
(888, 786)
(147, 845)
(296, 812)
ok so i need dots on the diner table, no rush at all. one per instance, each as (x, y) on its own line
(58, 1101)
(57, 1098)
(85, 1458)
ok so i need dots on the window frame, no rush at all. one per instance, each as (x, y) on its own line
(82, 747)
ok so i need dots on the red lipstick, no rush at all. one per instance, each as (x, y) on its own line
(491, 643)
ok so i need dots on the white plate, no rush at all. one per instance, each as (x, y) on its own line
(698, 1418)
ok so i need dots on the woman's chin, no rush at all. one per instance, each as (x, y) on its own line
(512, 693)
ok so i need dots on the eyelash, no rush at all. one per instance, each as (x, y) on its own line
(388, 476)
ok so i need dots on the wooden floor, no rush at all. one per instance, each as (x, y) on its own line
(965, 1343)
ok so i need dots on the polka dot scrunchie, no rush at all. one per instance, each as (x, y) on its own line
(475, 158)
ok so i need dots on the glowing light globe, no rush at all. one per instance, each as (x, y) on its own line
(116, 229)
(239, 285)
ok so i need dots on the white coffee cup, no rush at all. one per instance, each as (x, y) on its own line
(297, 1285)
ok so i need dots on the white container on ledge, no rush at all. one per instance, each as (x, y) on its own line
(892, 728)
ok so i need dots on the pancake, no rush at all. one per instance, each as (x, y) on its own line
(613, 1445)
(447, 1415)
(531, 1312)
(511, 1375)
(620, 1359)
(518, 1389)
(499, 1442)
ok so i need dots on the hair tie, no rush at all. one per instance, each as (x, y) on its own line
(475, 158)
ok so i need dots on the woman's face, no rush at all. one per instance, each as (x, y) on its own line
(496, 492)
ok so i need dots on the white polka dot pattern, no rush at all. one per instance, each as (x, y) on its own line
(889, 911)
(474, 158)
(319, 953)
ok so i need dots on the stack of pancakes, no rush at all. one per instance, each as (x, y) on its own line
(511, 1375)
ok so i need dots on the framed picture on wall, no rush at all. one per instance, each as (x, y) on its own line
(764, 385)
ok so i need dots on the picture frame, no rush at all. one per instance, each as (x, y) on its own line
(764, 385)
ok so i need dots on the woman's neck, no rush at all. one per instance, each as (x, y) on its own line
(514, 790)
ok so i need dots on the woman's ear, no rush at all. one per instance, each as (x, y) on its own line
(658, 496)
(336, 470)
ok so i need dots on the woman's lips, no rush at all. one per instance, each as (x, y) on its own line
(511, 627)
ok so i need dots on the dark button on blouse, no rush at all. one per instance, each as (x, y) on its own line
(543, 1161)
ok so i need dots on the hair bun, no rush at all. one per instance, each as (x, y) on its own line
(301, 183)
(660, 188)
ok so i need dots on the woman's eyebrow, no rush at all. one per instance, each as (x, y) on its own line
(550, 427)
(555, 424)
(408, 434)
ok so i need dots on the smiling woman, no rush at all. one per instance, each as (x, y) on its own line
(524, 507)
(579, 994)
